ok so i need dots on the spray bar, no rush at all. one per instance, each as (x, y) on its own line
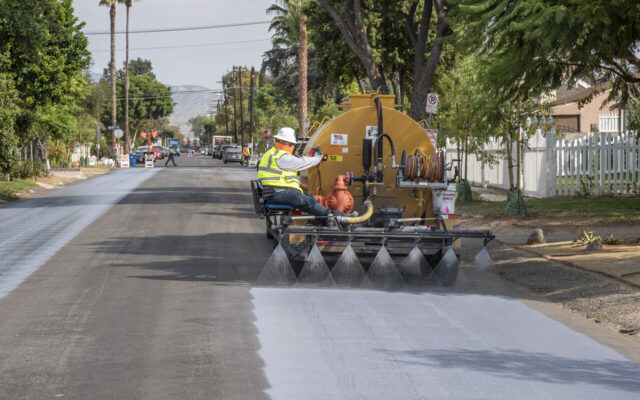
(401, 236)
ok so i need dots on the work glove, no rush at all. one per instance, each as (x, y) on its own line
(316, 151)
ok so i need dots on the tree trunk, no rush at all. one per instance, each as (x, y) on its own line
(114, 122)
(355, 34)
(466, 145)
(235, 126)
(423, 73)
(355, 74)
(401, 77)
(510, 161)
(241, 107)
(251, 83)
(127, 137)
(45, 152)
(302, 83)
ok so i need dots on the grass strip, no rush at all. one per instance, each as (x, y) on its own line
(588, 209)
(8, 190)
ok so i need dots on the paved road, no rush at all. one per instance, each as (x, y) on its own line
(149, 296)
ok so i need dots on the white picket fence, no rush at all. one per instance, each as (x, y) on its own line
(598, 164)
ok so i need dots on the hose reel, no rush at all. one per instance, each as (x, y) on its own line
(422, 166)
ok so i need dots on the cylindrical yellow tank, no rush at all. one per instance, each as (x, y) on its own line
(341, 139)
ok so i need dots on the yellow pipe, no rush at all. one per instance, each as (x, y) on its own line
(362, 218)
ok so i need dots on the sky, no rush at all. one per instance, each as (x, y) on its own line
(189, 57)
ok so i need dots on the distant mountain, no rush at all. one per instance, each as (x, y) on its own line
(190, 104)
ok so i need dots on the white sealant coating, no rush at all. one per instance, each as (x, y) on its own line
(32, 231)
(350, 344)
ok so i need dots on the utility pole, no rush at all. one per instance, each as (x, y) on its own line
(235, 126)
(251, 82)
(241, 107)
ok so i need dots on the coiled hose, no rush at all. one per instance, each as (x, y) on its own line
(423, 167)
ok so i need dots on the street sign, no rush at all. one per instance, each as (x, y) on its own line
(265, 134)
(432, 103)
(113, 128)
(118, 133)
(97, 133)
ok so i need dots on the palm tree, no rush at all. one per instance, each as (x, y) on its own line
(290, 29)
(112, 64)
(127, 137)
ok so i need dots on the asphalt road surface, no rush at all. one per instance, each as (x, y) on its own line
(138, 285)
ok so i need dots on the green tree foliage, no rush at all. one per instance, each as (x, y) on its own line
(45, 52)
(536, 45)
(8, 113)
(203, 128)
(149, 102)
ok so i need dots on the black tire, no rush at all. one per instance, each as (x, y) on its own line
(225, 161)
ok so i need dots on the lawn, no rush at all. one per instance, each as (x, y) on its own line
(591, 209)
(8, 189)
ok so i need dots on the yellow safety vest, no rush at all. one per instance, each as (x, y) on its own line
(269, 174)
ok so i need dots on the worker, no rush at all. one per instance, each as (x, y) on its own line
(246, 154)
(278, 168)
(170, 158)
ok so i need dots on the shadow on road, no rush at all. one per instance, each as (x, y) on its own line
(517, 364)
(191, 195)
(215, 257)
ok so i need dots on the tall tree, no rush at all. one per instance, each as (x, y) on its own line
(426, 23)
(290, 29)
(126, 83)
(351, 24)
(43, 51)
(112, 64)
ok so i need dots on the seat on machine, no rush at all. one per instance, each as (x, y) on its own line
(280, 207)
(261, 197)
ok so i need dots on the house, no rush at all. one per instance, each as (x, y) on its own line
(596, 115)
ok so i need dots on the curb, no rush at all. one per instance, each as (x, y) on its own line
(571, 265)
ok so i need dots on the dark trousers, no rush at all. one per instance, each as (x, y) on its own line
(300, 201)
(170, 159)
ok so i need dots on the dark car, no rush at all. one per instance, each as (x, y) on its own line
(223, 149)
(216, 150)
(232, 154)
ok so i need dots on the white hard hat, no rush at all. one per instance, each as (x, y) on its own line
(286, 134)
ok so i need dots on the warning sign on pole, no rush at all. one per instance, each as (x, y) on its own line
(432, 103)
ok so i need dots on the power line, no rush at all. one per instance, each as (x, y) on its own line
(189, 28)
(186, 46)
(150, 96)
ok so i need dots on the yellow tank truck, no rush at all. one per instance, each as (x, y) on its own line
(383, 164)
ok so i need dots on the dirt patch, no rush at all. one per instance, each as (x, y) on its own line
(595, 297)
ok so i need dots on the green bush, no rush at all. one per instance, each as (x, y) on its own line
(26, 169)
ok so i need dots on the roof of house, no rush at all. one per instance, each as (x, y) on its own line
(573, 96)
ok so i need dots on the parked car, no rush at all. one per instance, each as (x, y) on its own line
(224, 148)
(232, 154)
(216, 150)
